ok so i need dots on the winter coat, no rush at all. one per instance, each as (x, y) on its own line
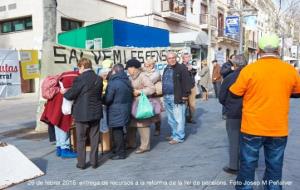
(205, 77)
(118, 98)
(233, 105)
(141, 82)
(153, 75)
(216, 74)
(182, 83)
(86, 93)
(52, 113)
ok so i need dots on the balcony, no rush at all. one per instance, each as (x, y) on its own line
(204, 21)
(173, 10)
(227, 38)
(252, 44)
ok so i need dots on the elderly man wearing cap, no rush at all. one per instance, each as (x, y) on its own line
(266, 86)
(234, 113)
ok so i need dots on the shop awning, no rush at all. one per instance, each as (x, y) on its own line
(199, 38)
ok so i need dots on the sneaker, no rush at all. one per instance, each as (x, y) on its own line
(58, 151)
(230, 171)
(67, 153)
(169, 138)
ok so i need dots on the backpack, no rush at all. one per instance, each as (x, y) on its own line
(50, 86)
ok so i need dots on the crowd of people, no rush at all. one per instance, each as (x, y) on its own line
(251, 95)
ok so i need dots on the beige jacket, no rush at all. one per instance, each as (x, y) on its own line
(141, 82)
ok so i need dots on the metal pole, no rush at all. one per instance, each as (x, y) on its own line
(209, 31)
(241, 27)
(241, 34)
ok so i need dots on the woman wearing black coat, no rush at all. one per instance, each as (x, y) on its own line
(87, 110)
(118, 98)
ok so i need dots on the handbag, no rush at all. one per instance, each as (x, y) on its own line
(66, 107)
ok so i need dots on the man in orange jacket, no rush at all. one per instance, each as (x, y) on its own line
(266, 87)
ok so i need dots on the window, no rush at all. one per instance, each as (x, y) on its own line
(67, 24)
(15, 25)
(12, 6)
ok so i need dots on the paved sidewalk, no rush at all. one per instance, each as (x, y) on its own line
(195, 164)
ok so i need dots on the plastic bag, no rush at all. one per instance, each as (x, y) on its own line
(144, 108)
(66, 107)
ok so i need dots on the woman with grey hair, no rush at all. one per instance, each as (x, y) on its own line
(233, 106)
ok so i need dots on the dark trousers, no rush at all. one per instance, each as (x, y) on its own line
(118, 139)
(233, 127)
(51, 133)
(217, 87)
(82, 129)
(249, 152)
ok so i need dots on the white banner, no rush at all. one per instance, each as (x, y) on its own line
(62, 59)
(10, 82)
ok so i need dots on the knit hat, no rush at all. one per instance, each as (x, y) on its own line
(269, 43)
(133, 63)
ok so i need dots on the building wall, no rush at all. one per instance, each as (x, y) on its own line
(28, 39)
(88, 11)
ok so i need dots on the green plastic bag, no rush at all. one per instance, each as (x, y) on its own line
(144, 109)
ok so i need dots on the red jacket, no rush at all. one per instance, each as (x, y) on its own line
(52, 113)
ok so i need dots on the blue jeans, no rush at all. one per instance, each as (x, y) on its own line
(176, 117)
(62, 138)
(249, 152)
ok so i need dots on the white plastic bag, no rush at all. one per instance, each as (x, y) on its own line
(66, 106)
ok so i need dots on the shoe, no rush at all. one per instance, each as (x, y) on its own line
(81, 167)
(230, 171)
(191, 121)
(58, 151)
(156, 133)
(95, 166)
(174, 142)
(169, 138)
(140, 151)
(118, 157)
(67, 153)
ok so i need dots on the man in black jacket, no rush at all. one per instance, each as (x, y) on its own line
(87, 110)
(233, 106)
(176, 86)
(118, 98)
